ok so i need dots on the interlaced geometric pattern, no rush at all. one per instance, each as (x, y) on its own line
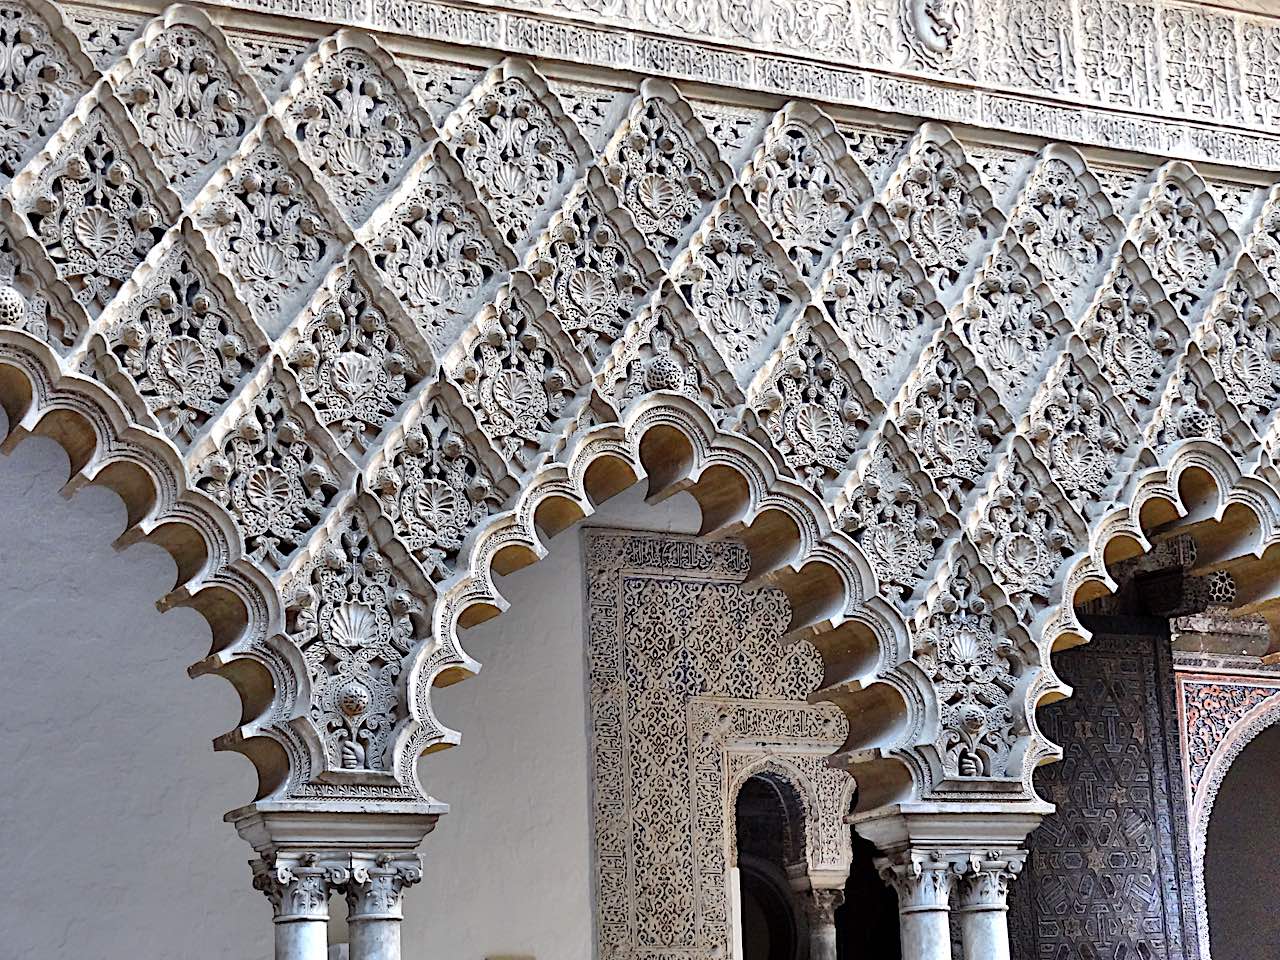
(691, 694)
(338, 287)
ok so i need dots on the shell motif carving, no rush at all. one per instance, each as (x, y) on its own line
(1241, 341)
(272, 231)
(38, 81)
(435, 489)
(974, 667)
(353, 364)
(663, 175)
(354, 128)
(187, 105)
(516, 378)
(811, 409)
(517, 152)
(183, 345)
(1179, 244)
(272, 478)
(94, 212)
(355, 621)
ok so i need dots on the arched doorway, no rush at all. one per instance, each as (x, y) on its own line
(770, 844)
(1241, 850)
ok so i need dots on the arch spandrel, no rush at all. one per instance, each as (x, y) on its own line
(537, 395)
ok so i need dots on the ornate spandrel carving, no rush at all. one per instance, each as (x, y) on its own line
(950, 417)
(181, 336)
(1133, 333)
(805, 186)
(894, 513)
(940, 207)
(93, 201)
(739, 283)
(595, 109)
(1024, 529)
(592, 266)
(1001, 172)
(1121, 186)
(1031, 44)
(665, 349)
(435, 483)
(518, 372)
(1181, 237)
(1011, 321)
(1195, 407)
(356, 355)
(1119, 56)
(41, 75)
(518, 147)
(968, 646)
(735, 130)
(813, 404)
(271, 226)
(273, 468)
(1078, 429)
(878, 298)
(271, 61)
(104, 34)
(355, 614)
(438, 249)
(1065, 224)
(876, 151)
(353, 122)
(1201, 72)
(441, 86)
(664, 166)
(1236, 201)
(180, 85)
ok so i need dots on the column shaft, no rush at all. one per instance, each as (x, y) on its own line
(298, 888)
(375, 906)
(983, 906)
(924, 902)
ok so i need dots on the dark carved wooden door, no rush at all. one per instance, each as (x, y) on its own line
(1108, 877)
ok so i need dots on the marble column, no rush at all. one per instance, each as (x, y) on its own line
(983, 893)
(924, 901)
(298, 888)
(820, 907)
(375, 906)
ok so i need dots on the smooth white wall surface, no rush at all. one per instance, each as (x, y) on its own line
(112, 845)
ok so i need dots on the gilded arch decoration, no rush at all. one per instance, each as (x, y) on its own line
(356, 329)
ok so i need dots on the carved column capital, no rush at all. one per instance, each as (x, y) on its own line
(298, 885)
(983, 884)
(923, 883)
(377, 884)
(820, 905)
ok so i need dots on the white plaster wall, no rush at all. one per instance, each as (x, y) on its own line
(111, 799)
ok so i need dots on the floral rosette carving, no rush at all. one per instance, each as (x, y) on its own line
(355, 621)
